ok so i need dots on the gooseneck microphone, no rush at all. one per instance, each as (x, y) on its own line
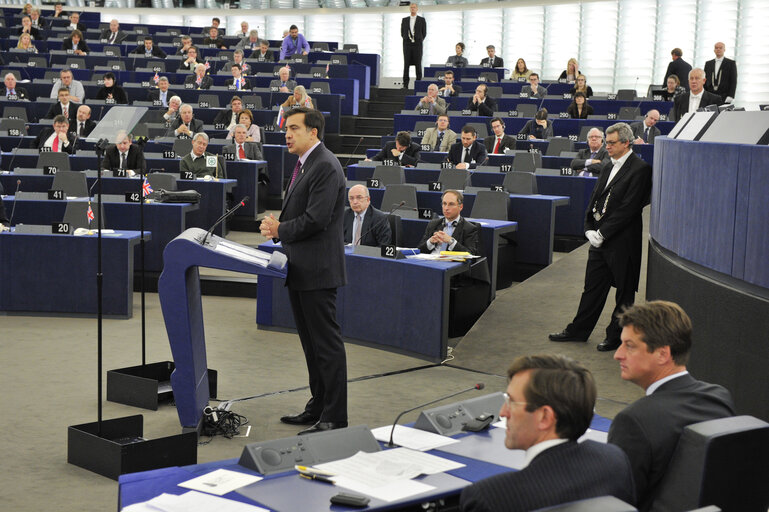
(15, 200)
(224, 217)
(383, 220)
(478, 386)
(360, 141)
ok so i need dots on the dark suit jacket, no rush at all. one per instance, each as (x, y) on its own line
(638, 130)
(21, 93)
(107, 33)
(267, 57)
(541, 91)
(196, 125)
(420, 30)
(89, 126)
(680, 68)
(648, 429)
(118, 94)
(205, 83)
(499, 62)
(457, 90)
(219, 41)
(244, 83)
(135, 160)
(486, 108)
(681, 103)
(375, 236)
(250, 148)
(81, 45)
(567, 472)
(621, 225)
(477, 154)
(530, 129)
(154, 94)
(3, 217)
(71, 137)
(156, 51)
(311, 224)
(583, 155)
(726, 79)
(466, 233)
(491, 141)
(199, 167)
(55, 110)
(35, 33)
(223, 117)
(410, 156)
(80, 27)
(586, 111)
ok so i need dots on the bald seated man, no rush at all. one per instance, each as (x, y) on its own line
(364, 224)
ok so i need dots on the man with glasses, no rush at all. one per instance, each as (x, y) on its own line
(645, 131)
(613, 226)
(364, 224)
(590, 159)
(548, 406)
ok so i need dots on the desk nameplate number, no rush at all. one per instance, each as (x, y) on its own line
(61, 228)
(497, 188)
(373, 183)
(56, 195)
(133, 197)
(567, 171)
(186, 175)
(425, 213)
(169, 154)
(389, 251)
(50, 170)
(435, 186)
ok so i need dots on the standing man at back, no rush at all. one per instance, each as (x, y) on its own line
(721, 75)
(311, 231)
(656, 341)
(413, 32)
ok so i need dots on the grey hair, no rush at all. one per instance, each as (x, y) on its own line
(595, 128)
(623, 131)
(199, 135)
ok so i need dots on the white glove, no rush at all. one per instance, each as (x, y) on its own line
(594, 238)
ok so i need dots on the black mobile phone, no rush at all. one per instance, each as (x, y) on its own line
(350, 500)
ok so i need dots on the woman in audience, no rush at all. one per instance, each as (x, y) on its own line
(25, 43)
(457, 61)
(581, 86)
(674, 89)
(111, 90)
(579, 109)
(520, 71)
(540, 127)
(246, 118)
(76, 43)
(571, 72)
(298, 99)
(27, 9)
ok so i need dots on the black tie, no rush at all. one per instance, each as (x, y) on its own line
(646, 134)
(122, 160)
(82, 129)
(440, 140)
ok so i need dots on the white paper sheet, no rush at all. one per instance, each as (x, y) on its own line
(412, 438)
(220, 482)
(393, 491)
(192, 501)
(595, 435)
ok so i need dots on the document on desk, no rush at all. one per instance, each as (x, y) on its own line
(412, 438)
(191, 501)
(241, 252)
(220, 482)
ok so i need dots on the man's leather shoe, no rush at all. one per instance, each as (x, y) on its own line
(565, 335)
(303, 418)
(322, 426)
(608, 345)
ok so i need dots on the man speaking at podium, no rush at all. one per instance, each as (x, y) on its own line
(310, 229)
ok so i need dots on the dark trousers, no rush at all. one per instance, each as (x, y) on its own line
(412, 56)
(599, 278)
(315, 317)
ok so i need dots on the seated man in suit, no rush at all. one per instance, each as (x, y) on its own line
(58, 138)
(74, 22)
(534, 90)
(364, 224)
(264, 54)
(185, 125)
(26, 27)
(172, 114)
(241, 149)
(113, 34)
(12, 90)
(539, 128)
(434, 104)
(251, 41)
(191, 60)
(402, 151)
(656, 341)
(449, 89)
(590, 160)
(645, 131)
(214, 40)
(492, 61)
(83, 123)
(548, 406)
(451, 232)
(440, 137)
(149, 50)
(237, 82)
(481, 103)
(696, 97)
(500, 141)
(229, 118)
(124, 155)
(284, 82)
(199, 80)
(63, 107)
(468, 153)
(200, 161)
(162, 94)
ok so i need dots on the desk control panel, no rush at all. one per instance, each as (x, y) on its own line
(279, 455)
(448, 420)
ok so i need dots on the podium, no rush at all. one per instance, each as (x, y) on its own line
(179, 292)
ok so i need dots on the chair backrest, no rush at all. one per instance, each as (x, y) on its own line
(389, 175)
(524, 183)
(394, 194)
(75, 63)
(628, 113)
(211, 99)
(320, 87)
(599, 504)
(338, 60)
(73, 183)
(164, 180)
(526, 109)
(182, 147)
(157, 65)
(252, 102)
(558, 144)
(59, 160)
(396, 229)
(489, 76)
(112, 50)
(723, 462)
(626, 94)
(6, 125)
(481, 129)
(350, 48)
(524, 162)
(490, 204)
(323, 47)
(494, 91)
(39, 62)
(421, 126)
(16, 113)
(585, 130)
(76, 215)
(456, 179)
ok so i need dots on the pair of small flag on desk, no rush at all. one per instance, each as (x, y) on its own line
(146, 190)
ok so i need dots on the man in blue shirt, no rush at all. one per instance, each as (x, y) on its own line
(294, 43)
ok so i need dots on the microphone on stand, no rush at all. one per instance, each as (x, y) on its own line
(478, 386)
(353, 151)
(15, 200)
(224, 217)
(384, 220)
